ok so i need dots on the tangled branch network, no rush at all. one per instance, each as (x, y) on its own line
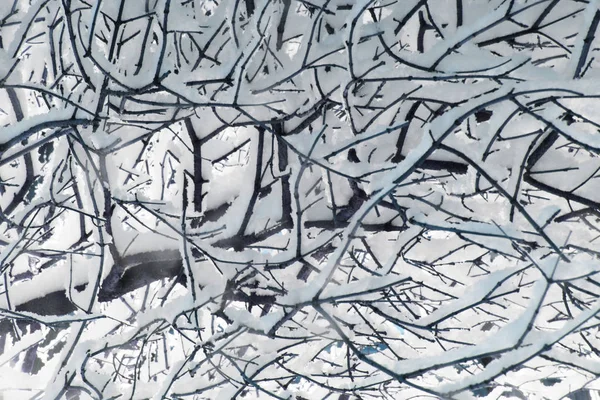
(293, 199)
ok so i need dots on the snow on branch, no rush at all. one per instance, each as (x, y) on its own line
(252, 199)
